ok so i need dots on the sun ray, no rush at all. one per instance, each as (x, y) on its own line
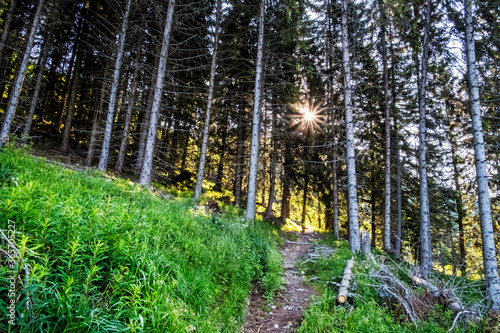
(307, 118)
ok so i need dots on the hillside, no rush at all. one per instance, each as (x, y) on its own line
(105, 255)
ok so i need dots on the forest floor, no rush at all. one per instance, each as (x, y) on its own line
(284, 313)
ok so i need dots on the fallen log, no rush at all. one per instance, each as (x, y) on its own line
(344, 285)
(446, 295)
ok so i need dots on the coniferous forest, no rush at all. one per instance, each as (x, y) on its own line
(159, 158)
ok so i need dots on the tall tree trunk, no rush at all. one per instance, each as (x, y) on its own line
(272, 183)
(387, 196)
(239, 164)
(147, 115)
(147, 166)
(373, 203)
(18, 83)
(489, 250)
(458, 192)
(203, 153)
(103, 161)
(97, 119)
(130, 108)
(304, 201)
(71, 103)
(220, 167)
(399, 204)
(285, 184)
(335, 191)
(354, 241)
(38, 85)
(425, 224)
(254, 154)
(6, 27)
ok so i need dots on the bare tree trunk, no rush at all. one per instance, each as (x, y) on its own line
(130, 108)
(18, 84)
(203, 153)
(147, 166)
(285, 184)
(489, 250)
(458, 194)
(425, 225)
(387, 196)
(354, 241)
(71, 104)
(147, 116)
(6, 26)
(334, 182)
(103, 161)
(239, 165)
(97, 119)
(38, 86)
(254, 154)
(304, 202)
(274, 157)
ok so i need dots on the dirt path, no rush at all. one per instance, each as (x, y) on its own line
(286, 314)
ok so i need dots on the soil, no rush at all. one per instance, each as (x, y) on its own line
(285, 314)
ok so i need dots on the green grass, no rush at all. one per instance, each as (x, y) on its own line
(367, 312)
(107, 256)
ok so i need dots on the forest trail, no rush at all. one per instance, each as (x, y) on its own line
(285, 314)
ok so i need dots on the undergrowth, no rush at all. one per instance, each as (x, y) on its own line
(366, 311)
(107, 256)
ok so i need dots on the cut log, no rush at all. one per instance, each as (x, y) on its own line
(344, 285)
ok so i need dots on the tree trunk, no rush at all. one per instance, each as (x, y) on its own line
(304, 201)
(239, 165)
(147, 166)
(203, 153)
(354, 241)
(71, 104)
(489, 250)
(285, 184)
(254, 154)
(6, 27)
(130, 108)
(268, 214)
(425, 225)
(97, 119)
(220, 167)
(18, 84)
(387, 196)
(147, 116)
(458, 193)
(344, 285)
(103, 161)
(38, 86)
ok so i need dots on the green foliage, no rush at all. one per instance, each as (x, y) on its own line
(107, 256)
(367, 311)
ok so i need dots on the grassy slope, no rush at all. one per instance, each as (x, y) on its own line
(109, 256)
(369, 313)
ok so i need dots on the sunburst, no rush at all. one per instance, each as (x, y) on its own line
(307, 118)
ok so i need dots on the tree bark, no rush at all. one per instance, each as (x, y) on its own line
(354, 241)
(130, 109)
(268, 214)
(71, 103)
(488, 238)
(18, 83)
(6, 26)
(103, 161)
(344, 285)
(38, 86)
(239, 165)
(213, 65)
(254, 154)
(425, 224)
(147, 166)
(387, 112)
(97, 119)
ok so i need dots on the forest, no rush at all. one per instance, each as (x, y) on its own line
(373, 118)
